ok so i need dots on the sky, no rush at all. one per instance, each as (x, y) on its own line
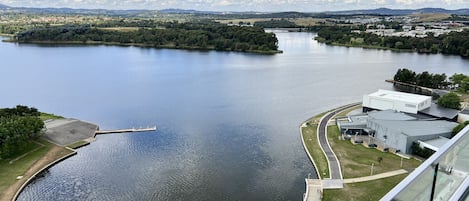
(242, 5)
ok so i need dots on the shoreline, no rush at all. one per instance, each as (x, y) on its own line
(59, 149)
(56, 151)
(42, 169)
(143, 45)
(383, 176)
(306, 149)
(374, 47)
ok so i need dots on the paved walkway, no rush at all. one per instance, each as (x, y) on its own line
(314, 186)
(376, 176)
(335, 171)
(313, 190)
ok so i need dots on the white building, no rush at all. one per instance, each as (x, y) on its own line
(399, 101)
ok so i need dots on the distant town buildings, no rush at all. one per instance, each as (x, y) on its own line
(408, 26)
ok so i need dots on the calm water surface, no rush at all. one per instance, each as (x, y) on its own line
(227, 122)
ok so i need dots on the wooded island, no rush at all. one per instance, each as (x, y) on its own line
(189, 35)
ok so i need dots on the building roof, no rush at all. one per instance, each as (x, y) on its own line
(465, 111)
(353, 122)
(418, 128)
(441, 112)
(399, 96)
(359, 121)
(390, 115)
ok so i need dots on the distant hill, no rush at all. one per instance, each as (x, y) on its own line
(74, 11)
(183, 11)
(3, 6)
(387, 11)
(292, 14)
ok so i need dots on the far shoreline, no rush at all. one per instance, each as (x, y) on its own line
(143, 45)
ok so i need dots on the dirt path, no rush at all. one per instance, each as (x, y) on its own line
(53, 154)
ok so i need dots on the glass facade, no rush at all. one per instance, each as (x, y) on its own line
(449, 182)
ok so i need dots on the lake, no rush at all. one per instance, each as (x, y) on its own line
(228, 123)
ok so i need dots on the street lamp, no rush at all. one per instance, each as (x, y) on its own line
(384, 146)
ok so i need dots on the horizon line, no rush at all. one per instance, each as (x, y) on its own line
(228, 11)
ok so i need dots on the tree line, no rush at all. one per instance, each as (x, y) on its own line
(456, 43)
(436, 81)
(457, 81)
(18, 126)
(177, 35)
(424, 79)
(272, 23)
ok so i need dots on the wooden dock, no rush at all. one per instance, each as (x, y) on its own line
(130, 130)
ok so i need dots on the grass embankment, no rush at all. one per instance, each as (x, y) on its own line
(309, 134)
(43, 154)
(46, 116)
(78, 144)
(363, 191)
(356, 160)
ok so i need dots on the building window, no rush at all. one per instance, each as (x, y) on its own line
(410, 105)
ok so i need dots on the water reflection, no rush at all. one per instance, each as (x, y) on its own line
(227, 122)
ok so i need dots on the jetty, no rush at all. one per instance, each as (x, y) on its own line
(130, 130)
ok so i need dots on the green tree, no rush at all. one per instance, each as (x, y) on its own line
(459, 127)
(17, 127)
(424, 79)
(405, 75)
(450, 100)
(458, 80)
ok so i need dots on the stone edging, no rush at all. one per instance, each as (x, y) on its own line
(41, 170)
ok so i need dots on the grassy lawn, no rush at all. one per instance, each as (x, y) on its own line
(311, 141)
(364, 191)
(9, 172)
(47, 116)
(312, 144)
(356, 160)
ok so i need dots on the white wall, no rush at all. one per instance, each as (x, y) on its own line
(402, 106)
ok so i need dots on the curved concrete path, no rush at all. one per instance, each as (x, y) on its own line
(335, 172)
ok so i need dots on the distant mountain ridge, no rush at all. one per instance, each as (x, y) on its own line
(293, 14)
(388, 11)
(184, 11)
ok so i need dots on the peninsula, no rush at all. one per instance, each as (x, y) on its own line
(189, 35)
(33, 141)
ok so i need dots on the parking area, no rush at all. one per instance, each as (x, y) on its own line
(67, 131)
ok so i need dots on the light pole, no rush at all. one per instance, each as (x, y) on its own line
(384, 146)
